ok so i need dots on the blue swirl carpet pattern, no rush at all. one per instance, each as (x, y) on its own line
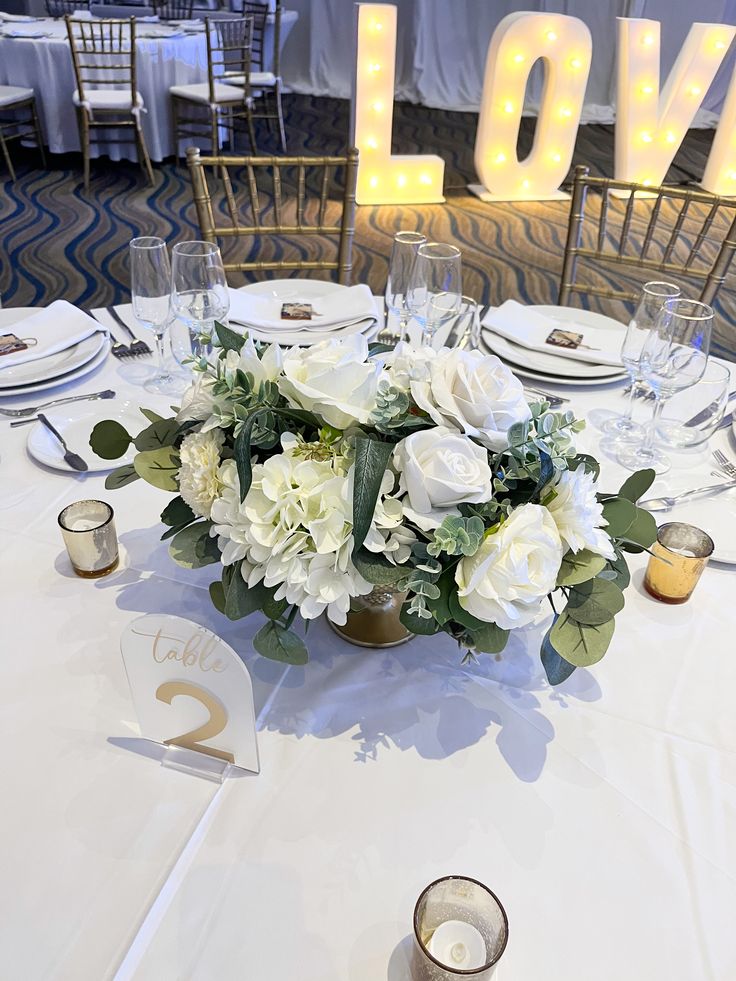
(55, 241)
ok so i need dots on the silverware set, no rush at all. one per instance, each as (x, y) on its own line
(136, 349)
(727, 473)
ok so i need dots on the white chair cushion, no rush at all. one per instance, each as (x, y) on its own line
(257, 79)
(13, 93)
(118, 99)
(201, 92)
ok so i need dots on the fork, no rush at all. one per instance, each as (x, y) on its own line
(31, 410)
(725, 464)
(117, 349)
(137, 348)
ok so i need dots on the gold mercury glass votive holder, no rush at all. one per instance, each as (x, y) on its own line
(460, 931)
(678, 558)
(88, 529)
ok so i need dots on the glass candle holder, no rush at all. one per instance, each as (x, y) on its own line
(679, 556)
(88, 530)
(460, 931)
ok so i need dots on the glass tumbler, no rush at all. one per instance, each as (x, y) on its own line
(88, 530)
(678, 558)
(691, 416)
(460, 931)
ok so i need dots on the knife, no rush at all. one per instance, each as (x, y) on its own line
(665, 503)
(707, 412)
(73, 459)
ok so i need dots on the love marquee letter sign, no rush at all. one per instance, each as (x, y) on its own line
(651, 122)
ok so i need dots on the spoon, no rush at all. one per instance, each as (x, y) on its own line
(73, 459)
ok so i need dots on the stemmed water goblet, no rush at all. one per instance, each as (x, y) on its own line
(436, 287)
(652, 297)
(674, 357)
(400, 268)
(150, 285)
(199, 293)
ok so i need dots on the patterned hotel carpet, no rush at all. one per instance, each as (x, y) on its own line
(56, 241)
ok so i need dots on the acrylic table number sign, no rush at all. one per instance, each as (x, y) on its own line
(192, 693)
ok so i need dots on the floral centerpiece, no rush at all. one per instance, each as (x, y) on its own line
(311, 476)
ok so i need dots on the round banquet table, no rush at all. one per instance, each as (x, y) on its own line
(601, 812)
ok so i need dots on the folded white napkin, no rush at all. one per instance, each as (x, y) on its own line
(25, 32)
(530, 329)
(330, 311)
(59, 326)
(19, 18)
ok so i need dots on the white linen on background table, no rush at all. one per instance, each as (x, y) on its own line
(601, 812)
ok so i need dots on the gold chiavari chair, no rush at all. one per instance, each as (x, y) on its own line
(106, 97)
(228, 57)
(173, 9)
(63, 8)
(676, 231)
(266, 212)
(265, 86)
(18, 121)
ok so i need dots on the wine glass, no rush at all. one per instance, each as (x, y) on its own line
(400, 267)
(651, 299)
(674, 357)
(150, 285)
(199, 290)
(436, 287)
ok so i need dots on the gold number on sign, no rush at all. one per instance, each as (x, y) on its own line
(212, 727)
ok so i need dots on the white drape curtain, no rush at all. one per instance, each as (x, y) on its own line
(441, 47)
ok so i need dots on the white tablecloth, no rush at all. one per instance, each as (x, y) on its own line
(603, 812)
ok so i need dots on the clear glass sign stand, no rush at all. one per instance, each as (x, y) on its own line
(197, 764)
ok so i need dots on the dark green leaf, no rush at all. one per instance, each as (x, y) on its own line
(151, 415)
(120, 477)
(242, 599)
(578, 566)
(217, 595)
(620, 515)
(578, 643)
(378, 348)
(642, 532)
(440, 606)
(242, 453)
(109, 439)
(273, 608)
(425, 626)
(157, 435)
(590, 464)
(301, 415)
(378, 570)
(280, 644)
(636, 486)
(618, 566)
(546, 473)
(371, 460)
(158, 467)
(462, 616)
(177, 512)
(490, 639)
(188, 548)
(595, 601)
(556, 668)
(229, 339)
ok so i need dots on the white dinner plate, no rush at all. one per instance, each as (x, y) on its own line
(75, 423)
(552, 365)
(555, 379)
(70, 376)
(294, 290)
(45, 369)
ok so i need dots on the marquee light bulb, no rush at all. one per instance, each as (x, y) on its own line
(731, 175)
(646, 137)
(377, 106)
(501, 158)
(425, 179)
(373, 182)
(647, 89)
(719, 45)
(670, 137)
(566, 111)
(372, 143)
(647, 40)
(518, 58)
(508, 107)
(695, 90)
(551, 36)
(556, 157)
(646, 182)
(525, 185)
(401, 180)
(375, 67)
(575, 63)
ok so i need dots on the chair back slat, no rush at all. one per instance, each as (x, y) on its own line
(266, 210)
(259, 13)
(683, 224)
(103, 54)
(62, 8)
(173, 9)
(229, 44)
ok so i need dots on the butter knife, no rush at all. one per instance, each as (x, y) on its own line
(707, 412)
(665, 503)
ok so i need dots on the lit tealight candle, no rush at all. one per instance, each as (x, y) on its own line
(458, 945)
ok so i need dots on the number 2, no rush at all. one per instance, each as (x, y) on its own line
(212, 727)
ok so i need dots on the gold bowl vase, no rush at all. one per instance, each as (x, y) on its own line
(373, 620)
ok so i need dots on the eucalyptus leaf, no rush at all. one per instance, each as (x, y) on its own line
(177, 512)
(120, 477)
(490, 639)
(371, 460)
(188, 549)
(300, 415)
(621, 575)
(579, 566)
(229, 339)
(581, 644)
(440, 606)
(636, 486)
(280, 644)
(620, 515)
(378, 570)
(151, 415)
(426, 626)
(556, 668)
(158, 467)
(157, 435)
(217, 595)
(242, 454)
(242, 599)
(595, 601)
(643, 532)
(109, 439)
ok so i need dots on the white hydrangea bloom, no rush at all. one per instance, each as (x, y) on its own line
(198, 473)
(578, 514)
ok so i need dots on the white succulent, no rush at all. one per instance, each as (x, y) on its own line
(199, 483)
(578, 513)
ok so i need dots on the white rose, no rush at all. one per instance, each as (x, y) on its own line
(198, 402)
(474, 392)
(577, 512)
(407, 364)
(198, 473)
(513, 570)
(440, 469)
(333, 379)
